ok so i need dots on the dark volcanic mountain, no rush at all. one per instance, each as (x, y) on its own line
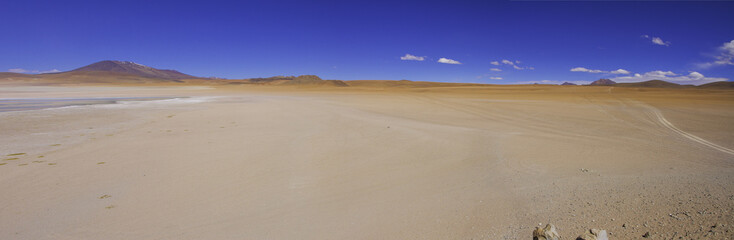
(567, 84)
(132, 68)
(602, 82)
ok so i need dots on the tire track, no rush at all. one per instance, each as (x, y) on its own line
(498, 116)
(667, 124)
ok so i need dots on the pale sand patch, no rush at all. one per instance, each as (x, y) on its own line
(437, 164)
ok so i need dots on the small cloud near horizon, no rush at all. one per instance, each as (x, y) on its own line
(657, 40)
(20, 70)
(522, 68)
(511, 63)
(495, 69)
(724, 56)
(620, 71)
(583, 69)
(495, 78)
(410, 57)
(694, 78)
(448, 61)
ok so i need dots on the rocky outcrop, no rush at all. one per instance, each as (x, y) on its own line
(602, 82)
(547, 233)
(594, 234)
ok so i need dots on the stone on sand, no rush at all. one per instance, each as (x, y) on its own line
(594, 234)
(546, 233)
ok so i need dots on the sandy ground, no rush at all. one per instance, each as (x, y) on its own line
(443, 163)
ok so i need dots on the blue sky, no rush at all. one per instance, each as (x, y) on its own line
(542, 41)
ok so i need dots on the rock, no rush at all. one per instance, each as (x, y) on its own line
(594, 234)
(646, 235)
(546, 233)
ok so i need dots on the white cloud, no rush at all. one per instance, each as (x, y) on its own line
(582, 69)
(725, 56)
(696, 75)
(661, 73)
(496, 63)
(513, 64)
(694, 78)
(20, 70)
(728, 47)
(448, 61)
(657, 40)
(495, 69)
(410, 57)
(620, 71)
(495, 78)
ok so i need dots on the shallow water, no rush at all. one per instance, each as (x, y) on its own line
(22, 104)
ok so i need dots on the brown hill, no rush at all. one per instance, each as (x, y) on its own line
(4, 75)
(131, 68)
(271, 80)
(96, 77)
(602, 82)
(303, 80)
(18, 78)
(405, 84)
(721, 84)
(651, 84)
(567, 84)
(313, 80)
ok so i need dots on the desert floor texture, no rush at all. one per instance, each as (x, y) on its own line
(257, 162)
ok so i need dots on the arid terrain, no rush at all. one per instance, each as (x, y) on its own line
(375, 160)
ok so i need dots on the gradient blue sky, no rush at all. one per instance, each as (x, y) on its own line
(366, 39)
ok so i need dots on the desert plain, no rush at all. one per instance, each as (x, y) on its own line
(371, 161)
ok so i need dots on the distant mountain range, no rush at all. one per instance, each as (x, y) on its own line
(656, 84)
(653, 84)
(126, 72)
